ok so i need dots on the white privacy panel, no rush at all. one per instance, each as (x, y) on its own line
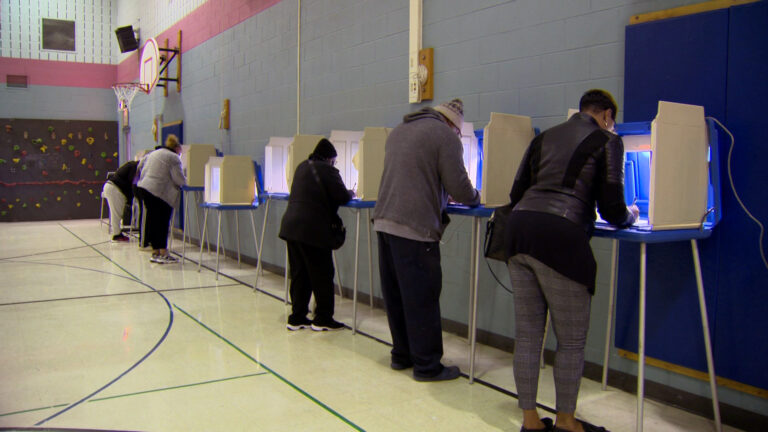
(679, 167)
(472, 157)
(347, 144)
(369, 162)
(193, 160)
(230, 180)
(505, 139)
(275, 164)
(299, 150)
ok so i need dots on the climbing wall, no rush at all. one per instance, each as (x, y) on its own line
(54, 169)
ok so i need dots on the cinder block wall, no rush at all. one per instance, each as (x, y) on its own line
(528, 57)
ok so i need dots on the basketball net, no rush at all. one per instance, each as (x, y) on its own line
(125, 93)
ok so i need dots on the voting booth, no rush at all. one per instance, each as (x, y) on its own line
(275, 164)
(666, 172)
(193, 160)
(346, 144)
(369, 162)
(505, 139)
(230, 180)
(298, 151)
(473, 158)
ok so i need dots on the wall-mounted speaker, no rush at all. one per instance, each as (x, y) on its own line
(126, 38)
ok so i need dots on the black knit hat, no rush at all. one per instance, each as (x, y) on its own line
(324, 150)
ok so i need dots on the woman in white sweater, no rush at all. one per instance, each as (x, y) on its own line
(160, 182)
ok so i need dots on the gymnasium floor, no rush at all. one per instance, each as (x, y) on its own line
(94, 336)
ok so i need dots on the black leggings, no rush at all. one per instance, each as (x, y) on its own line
(158, 219)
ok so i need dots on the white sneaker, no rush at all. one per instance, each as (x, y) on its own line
(167, 259)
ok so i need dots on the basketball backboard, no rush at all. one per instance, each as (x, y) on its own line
(149, 66)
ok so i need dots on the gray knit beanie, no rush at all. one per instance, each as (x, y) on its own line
(453, 111)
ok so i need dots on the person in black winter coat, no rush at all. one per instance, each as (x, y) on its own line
(119, 194)
(317, 191)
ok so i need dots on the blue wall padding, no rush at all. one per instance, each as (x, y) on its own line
(742, 344)
(678, 60)
(719, 60)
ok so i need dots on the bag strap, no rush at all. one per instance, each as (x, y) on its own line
(319, 183)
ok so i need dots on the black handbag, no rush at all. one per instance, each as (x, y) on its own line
(338, 231)
(495, 247)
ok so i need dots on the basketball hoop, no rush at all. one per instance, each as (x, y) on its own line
(125, 93)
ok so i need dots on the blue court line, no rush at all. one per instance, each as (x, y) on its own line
(277, 375)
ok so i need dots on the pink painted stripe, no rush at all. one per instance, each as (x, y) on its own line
(59, 73)
(205, 22)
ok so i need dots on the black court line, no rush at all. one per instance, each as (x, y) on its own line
(130, 293)
(135, 279)
(381, 341)
(270, 370)
(150, 352)
(482, 382)
(87, 245)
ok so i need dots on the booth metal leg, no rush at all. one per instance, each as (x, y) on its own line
(204, 228)
(202, 239)
(472, 269)
(218, 242)
(255, 244)
(611, 309)
(473, 298)
(237, 230)
(259, 268)
(641, 341)
(357, 262)
(707, 340)
(185, 214)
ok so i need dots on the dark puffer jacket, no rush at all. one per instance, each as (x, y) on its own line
(313, 204)
(569, 168)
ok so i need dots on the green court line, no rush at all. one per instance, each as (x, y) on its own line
(277, 375)
(32, 410)
(177, 387)
(138, 393)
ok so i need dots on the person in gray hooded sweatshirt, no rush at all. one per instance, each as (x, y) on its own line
(423, 166)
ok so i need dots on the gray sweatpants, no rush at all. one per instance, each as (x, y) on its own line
(537, 287)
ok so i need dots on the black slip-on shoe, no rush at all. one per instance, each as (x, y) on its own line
(398, 366)
(588, 427)
(548, 425)
(448, 373)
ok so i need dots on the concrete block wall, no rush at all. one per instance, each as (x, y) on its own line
(527, 57)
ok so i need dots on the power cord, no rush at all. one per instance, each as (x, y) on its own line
(736, 194)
